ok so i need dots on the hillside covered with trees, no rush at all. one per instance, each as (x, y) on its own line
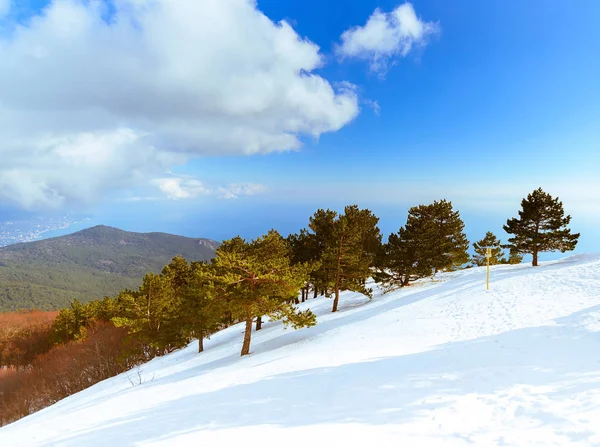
(92, 263)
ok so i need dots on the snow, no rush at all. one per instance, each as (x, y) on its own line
(441, 363)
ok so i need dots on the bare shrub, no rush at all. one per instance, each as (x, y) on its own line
(23, 336)
(66, 369)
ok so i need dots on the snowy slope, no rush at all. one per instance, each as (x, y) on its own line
(441, 363)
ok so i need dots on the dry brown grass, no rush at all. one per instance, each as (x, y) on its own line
(26, 318)
(23, 336)
(64, 370)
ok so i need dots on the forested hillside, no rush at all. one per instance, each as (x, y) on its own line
(88, 264)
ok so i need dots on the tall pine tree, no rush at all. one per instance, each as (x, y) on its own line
(257, 278)
(402, 258)
(432, 240)
(444, 242)
(348, 244)
(204, 313)
(540, 227)
(322, 224)
(153, 314)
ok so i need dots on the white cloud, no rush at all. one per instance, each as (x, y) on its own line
(234, 190)
(90, 105)
(181, 188)
(178, 187)
(385, 36)
(374, 105)
(133, 198)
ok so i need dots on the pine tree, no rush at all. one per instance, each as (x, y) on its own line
(432, 240)
(348, 244)
(203, 312)
(489, 241)
(257, 278)
(444, 241)
(370, 237)
(540, 227)
(153, 315)
(322, 224)
(401, 259)
(178, 272)
(200, 314)
(70, 323)
(303, 249)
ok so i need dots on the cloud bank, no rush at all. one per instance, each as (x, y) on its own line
(94, 101)
(177, 187)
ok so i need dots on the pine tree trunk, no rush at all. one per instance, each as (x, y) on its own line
(337, 275)
(259, 323)
(247, 335)
(337, 299)
(303, 295)
(200, 343)
(316, 293)
(535, 246)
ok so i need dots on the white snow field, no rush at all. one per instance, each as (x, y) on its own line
(441, 363)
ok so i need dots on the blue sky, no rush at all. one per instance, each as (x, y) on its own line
(498, 99)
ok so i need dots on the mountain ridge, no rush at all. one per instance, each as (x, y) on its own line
(88, 264)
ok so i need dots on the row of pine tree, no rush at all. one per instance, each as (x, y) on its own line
(268, 276)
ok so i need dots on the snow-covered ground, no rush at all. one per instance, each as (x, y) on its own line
(441, 363)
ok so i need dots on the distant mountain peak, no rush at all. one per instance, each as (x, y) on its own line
(87, 264)
(100, 228)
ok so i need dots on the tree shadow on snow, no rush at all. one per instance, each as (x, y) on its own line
(389, 390)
